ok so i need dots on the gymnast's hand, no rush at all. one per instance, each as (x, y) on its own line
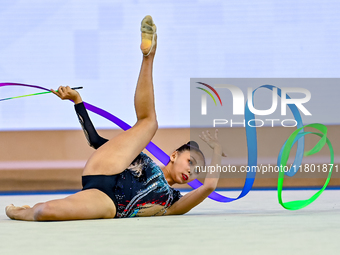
(212, 141)
(68, 93)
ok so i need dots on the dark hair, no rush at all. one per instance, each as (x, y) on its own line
(191, 145)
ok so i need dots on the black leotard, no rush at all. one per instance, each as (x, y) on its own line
(135, 194)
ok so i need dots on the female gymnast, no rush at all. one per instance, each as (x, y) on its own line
(113, 187)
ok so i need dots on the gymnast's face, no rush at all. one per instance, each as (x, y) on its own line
(184, 164)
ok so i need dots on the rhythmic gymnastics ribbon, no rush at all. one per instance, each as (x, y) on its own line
(251, 136)
(297, 136)
(35, 94)
(285, 150)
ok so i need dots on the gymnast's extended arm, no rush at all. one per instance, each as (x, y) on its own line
(93, 138)
(195, 197)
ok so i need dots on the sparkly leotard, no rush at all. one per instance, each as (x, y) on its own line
(135, 193)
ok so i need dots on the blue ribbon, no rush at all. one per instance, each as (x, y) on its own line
(252, 151)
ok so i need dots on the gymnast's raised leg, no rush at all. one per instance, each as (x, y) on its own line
(111, 158)
(117, 154)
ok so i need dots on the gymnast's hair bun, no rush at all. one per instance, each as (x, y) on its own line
(193, 144)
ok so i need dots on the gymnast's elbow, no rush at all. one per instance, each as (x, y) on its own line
(209, 187)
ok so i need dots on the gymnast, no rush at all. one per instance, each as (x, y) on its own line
(119, 180)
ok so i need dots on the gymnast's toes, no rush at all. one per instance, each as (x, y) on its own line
(9, 206)
(11, 209)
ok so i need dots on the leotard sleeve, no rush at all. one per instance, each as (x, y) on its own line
(93, 139)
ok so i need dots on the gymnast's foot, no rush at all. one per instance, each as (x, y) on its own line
(11, 210)
(149, 36)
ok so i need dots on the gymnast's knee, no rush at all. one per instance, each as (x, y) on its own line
(43, 212)
(150, 123)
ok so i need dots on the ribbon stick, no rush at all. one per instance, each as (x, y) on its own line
(35, 94)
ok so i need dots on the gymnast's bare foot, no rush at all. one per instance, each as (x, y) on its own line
(11, 210)
(149, 36)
